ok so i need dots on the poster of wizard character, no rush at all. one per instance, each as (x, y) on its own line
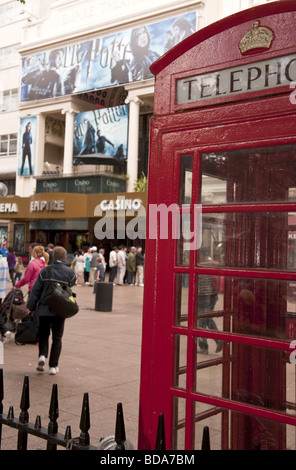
(100, 136)
(26, 152)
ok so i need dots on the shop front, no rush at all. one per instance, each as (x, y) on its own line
(73, 220)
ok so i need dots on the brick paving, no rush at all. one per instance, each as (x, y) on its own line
(101, 356)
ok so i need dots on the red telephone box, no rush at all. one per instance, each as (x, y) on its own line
(220, 310)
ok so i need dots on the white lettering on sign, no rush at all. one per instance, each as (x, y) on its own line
(257, 76)
(121, 204)
(8, 207)
(40, 206)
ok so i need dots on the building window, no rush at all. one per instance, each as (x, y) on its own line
(9, 100)
(14, 11)
(9, 56)
(8, 12)
(8, 144)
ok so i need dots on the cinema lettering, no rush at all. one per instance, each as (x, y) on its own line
(8, 207)
(258, 76)
(52, 206)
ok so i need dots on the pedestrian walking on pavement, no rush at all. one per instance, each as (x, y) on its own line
(93, 265)
(121, 265)
(131, 266)
(33, 269)
(11, 260)
(19, 269)
(47, 320)
(139, 267)
(113, 263)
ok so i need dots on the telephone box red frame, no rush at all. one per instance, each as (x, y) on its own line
(251, 120)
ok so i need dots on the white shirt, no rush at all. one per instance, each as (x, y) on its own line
(112, 259)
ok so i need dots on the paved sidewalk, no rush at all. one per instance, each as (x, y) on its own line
(101, 355)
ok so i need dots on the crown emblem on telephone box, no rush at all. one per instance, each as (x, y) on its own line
(259, 37)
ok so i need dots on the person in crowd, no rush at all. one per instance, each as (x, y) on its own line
(113, 264)
(48, 321)
(131, 266)
(19, 269)
(3, 277)
(139, 267)
(31, 248)
(4, 249)
(46, 258)
(100, 272)
(49, 250)
(121, 264)
(87, 257)
(207, 299)
(102, 255)
(93, 265)
(11, 260)
(33, 269)
(100, 275)
(78, 263)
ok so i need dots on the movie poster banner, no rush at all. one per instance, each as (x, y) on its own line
(100, 136)
(26, 153)
(102, 62)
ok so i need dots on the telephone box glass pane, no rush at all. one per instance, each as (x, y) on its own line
(238, 375)
(186, 180)
(182, 290)
(183, 241)
(231, 430)
(259, 307)
(185, 199)
(206, 415)
(179, 414)
(249, 240)
(249, 175)
(180, 363)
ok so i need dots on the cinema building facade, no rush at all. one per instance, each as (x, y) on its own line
(76, 100)
(75, 118)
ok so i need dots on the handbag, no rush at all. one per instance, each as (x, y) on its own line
(19, 312)
(19, 309)
(60, 298)
(26, 332)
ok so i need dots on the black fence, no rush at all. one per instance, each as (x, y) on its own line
(54, 438)
(50, 434)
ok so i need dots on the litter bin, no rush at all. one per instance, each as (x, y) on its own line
(104, 296)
